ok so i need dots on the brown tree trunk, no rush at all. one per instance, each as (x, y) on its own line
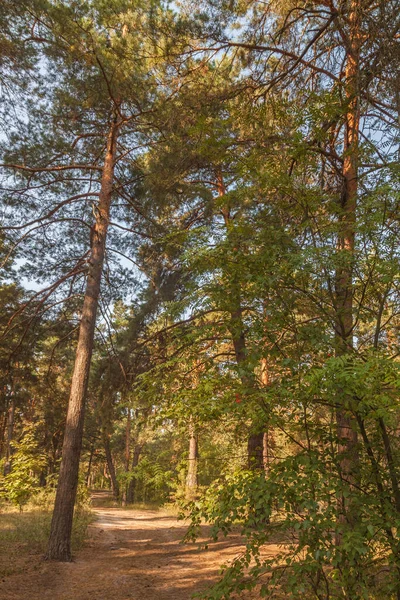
(127, 454)
(128, 440)
(10, 433)
(346, 422)
(3, 424)
(255, 451)
(191, 478)
(89, 469)
(130, 494)
(110, 466)
(59, 546)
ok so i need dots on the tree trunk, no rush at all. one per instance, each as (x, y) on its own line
(10, 433)
(110, 467)
(59, 546)
(130, 494)
(87, 478)
(128, 441)
(3, 427)
(127, 454)
(191, 478)
(346, 422)
(255, 451)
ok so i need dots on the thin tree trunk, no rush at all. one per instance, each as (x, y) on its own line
(59, 546)
(128, 441)
(130, 495)
(191, 478)
(10, 433)
(110, 466)
(87, 478)
(3, 427)
(127, 454)
(346, 422)
(4, 421)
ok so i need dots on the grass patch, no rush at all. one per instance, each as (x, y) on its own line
(24, 534)
(105, 499)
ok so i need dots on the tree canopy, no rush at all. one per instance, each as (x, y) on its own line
(200, 275)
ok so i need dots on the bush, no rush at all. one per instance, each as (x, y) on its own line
(20, 484)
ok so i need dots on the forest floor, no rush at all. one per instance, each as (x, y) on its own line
(130, 554)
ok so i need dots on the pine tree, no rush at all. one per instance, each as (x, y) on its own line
(101, 88)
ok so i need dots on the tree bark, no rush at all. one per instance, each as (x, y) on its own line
(89, 469)
(110, 466)
(10, 433)
(128, 440)
(127, 453)
(59, 546)
(255, 451)
(3, 425)
(346, 422)
(130, 494)
(191, 478)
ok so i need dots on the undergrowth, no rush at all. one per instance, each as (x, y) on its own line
(25, 533)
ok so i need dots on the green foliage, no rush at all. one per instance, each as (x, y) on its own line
(153, 483)
(299, 501)
(21, 483)
(268, 294)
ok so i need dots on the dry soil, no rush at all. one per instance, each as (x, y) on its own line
(130, 555)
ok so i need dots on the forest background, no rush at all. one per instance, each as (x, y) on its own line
(200, 227)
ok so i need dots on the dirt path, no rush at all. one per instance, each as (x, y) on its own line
(131, 555)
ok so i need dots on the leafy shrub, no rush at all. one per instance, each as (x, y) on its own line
(20, 484)
(153, 482)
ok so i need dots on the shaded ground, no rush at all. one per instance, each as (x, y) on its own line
(131, 555)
